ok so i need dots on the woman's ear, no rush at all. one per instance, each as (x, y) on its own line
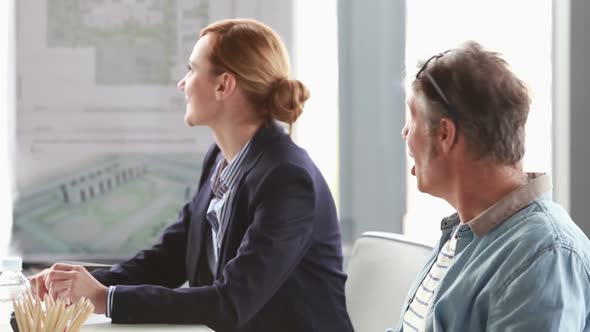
(226, 85)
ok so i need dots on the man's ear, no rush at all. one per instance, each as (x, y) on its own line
(226, 85)
(447, 134)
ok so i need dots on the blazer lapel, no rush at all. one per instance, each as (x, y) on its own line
(265, 135)
(198, 228)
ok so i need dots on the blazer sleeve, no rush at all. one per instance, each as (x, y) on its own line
(272, 247)
(164, 263)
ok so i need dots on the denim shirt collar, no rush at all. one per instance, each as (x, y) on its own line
(535, 186)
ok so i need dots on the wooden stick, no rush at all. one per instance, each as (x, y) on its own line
(63, 320)
(29, 312)
(50, 318)
(27, 318)
(59, 311)
(47, 315)
(27, 309)
(38, 316)
(74, 320)
(19, 316)
(28, 302)
(86, 309)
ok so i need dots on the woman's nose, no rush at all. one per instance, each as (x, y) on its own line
(180, 84)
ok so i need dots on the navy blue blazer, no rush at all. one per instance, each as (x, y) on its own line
(280, 262)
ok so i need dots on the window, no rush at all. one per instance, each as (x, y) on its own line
(435, 26)
(316, 65)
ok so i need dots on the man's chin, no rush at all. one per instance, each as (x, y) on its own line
(420, 186)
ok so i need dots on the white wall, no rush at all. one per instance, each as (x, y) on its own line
(579, 113)
(7, 98)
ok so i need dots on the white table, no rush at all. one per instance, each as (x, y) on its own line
(101, 323)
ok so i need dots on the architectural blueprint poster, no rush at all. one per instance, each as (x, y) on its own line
(103, 159)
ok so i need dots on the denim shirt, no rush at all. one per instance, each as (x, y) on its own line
(522, 265)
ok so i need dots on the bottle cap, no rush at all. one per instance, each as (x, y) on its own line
(11, 264)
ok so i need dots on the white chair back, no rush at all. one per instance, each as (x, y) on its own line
(381, 270)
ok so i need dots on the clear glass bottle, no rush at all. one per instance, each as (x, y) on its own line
(12, 284)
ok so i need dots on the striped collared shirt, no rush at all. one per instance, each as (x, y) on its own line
(224, 178)
(414, 316)
(223, 182)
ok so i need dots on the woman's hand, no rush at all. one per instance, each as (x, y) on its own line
(70, 283)
(38, 283)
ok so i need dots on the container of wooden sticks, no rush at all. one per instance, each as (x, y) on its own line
(35, 315)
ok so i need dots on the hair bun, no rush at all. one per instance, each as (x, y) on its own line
(286, 99)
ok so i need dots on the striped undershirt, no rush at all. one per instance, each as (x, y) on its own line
(226, 175)
(414, 318)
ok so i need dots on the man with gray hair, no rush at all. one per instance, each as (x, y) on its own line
(509, 259)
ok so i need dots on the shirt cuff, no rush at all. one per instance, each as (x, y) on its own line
(110, 293)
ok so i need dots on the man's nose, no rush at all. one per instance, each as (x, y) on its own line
(404, 132)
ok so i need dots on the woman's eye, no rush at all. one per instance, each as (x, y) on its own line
(189, 68)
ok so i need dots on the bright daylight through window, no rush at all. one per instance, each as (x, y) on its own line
(435, 26)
